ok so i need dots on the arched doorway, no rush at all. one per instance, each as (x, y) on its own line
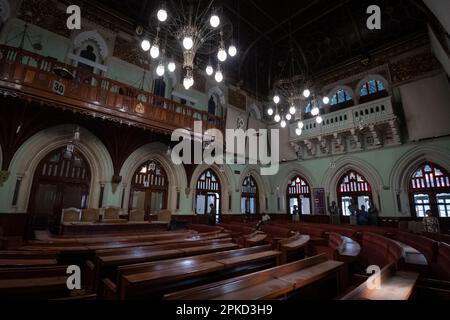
(249, 196)
(208, 192)
(429, 189)
(149, 188)
(61, 180)
(353, 188)
(299, 195)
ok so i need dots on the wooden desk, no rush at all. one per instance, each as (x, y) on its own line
(77, 228)
(15, 263)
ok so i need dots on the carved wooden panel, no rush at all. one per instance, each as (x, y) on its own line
(413, 67)
(237, 99)
(131, 52)
(45, 14)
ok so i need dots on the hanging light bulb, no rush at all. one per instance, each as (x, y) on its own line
(232, 51)
(326, 100)
(188, 82)
(283, 124)
(277, 118)
(160, 70)
(222, 55)
(270, 111)
(319, 119)
(209, 70)
(214, 21)
(219, 76)
(288, 117)
(276, 99)
(145, 45)
(188, 43)
(306, 93)
(162, 15)
(298, 131)
(171, 66)
(292, 110)
(315, 111)
(301, 125)
(154, 51)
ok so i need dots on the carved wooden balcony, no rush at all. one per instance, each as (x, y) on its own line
(31, 76)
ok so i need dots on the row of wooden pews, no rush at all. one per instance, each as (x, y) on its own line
(298, 279)
(154, 279)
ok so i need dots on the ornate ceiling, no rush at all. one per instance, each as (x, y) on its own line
(323, 33)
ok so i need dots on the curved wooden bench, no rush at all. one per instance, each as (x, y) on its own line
(381, 251)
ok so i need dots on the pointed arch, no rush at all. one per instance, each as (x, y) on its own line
(30, 154)
(176, 175)
(5, 10)
(262, 183)
(406, 166)
(372, 77)
(348, 163)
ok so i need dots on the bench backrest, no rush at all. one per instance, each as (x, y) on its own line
(381, 251)
(71, 215)
(90, 215)
(137, 216)
(426, 246)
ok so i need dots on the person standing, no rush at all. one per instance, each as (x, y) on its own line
(353, 210)
(295, 212)
(212, 214)
(373, 214)
(431, 223)
(363, 216)
(334, 213)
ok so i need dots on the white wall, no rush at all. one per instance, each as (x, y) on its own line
(426, 104)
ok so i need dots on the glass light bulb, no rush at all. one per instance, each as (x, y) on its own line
(160, 70)
(232, 51)
(154, 51)
(145, 45)
(219, 76)
(276, 99)
(277, 118)
(301, 125)
(209, 70)
(298, 131)
(214, 21)
(315, 111)
(162, 15)
(188, 83)
(222, 55)
(270, 111)
(292, 110)
(171, 66)
(326, 100)
(188, 43)
(319, 119)
(288, 117)
(283, 124)
(306, 93)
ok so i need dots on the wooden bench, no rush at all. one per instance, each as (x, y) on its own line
(381, 251)
(16, 259)
(395, 285)
(107, 261)
(279, 282)
(37, 283)
(293, 248)
(152, 280)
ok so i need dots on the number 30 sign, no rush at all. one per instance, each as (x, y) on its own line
(58, 87)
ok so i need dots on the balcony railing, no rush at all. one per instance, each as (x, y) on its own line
(31, 75)
(371, 113)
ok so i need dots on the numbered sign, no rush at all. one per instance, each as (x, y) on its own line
(58, 87)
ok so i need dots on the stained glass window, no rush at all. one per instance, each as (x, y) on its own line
(341, 96)
(371, 87)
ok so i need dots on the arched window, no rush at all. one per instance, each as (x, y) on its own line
(249, 196)
(149, 188)
(309, 107)
(88, 54)
(354, 189)
(341, 97)
(212, 106)
(299, 196)
(61, 181)
(429, 189)
(208, 194)
(371, 87)
(372, 90)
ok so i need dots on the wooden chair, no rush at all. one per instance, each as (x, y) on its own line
(165, 216)
(90, 215)
(137, 216)
(111, 213)
(70, 215)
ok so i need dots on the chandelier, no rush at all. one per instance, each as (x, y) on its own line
(290, 90)
(197, 31)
